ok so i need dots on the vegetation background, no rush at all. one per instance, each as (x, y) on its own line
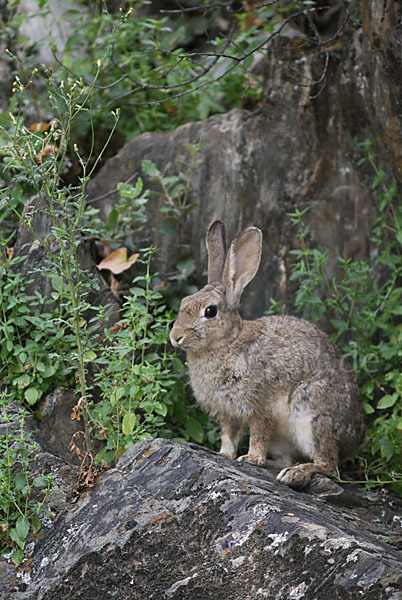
(101, 75)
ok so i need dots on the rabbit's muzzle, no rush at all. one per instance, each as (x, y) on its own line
(186, 338)
(177, 336)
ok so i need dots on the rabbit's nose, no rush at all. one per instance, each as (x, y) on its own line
(176, 337)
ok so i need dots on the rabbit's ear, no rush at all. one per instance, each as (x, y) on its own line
(216, 251)
(242, 263)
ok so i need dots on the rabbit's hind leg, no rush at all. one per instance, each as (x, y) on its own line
(324, 455)
(314, 428)
(299, 476)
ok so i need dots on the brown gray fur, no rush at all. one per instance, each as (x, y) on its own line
(279, 376)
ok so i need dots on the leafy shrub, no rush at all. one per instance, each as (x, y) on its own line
(161, 70)
(35, 346)
(141, 383)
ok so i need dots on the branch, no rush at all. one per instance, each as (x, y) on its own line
(214, 5)
(107, 194)
(204, 70)
(237, 60)
(323, 46)
(203, 7)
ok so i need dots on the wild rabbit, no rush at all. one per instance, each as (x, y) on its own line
(280, 376)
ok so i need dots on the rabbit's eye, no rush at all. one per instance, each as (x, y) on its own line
(211, 311)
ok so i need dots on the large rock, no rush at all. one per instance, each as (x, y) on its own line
(178, 521)
(297, 150)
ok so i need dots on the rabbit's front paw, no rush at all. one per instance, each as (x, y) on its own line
(294, 477)
(253, 459)
(227, 453)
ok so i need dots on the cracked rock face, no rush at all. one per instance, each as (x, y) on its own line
(178, 521)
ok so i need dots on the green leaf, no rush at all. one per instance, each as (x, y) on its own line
(387, 401)
(129, 421)
(118, 393)
(57, 282)
(112, 220)
(194, 430)
(32, 395)
(388, 351)
(138, 187)
(89, 356)
(20, 532)
(105, 455)
(389, 259)
(150, 168)
(388, 448)
(22, 528)
(36, 524)
(40, 482)
(49, 371)
(160, 409)
(17, 557)
(20, 481)
(368, 409)
(147, 406)
(378, 178)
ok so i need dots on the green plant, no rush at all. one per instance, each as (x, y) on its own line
(361, 304)
(36, 161)
(32, 165)
(142, 394)
(173, 187)
(161, 69)
(19, 513)
(128, 217)
(149, 66)
(34, 347)
(125, 222)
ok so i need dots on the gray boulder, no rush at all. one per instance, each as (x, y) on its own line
(178, 521)
(300, 148)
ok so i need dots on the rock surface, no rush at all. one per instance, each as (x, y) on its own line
(178, 521)
(294, 151)
(56, 426)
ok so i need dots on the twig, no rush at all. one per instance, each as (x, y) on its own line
(103, 196)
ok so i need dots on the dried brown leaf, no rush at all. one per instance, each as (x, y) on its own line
(117, 261)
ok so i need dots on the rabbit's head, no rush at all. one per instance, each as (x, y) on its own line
(209, 318)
